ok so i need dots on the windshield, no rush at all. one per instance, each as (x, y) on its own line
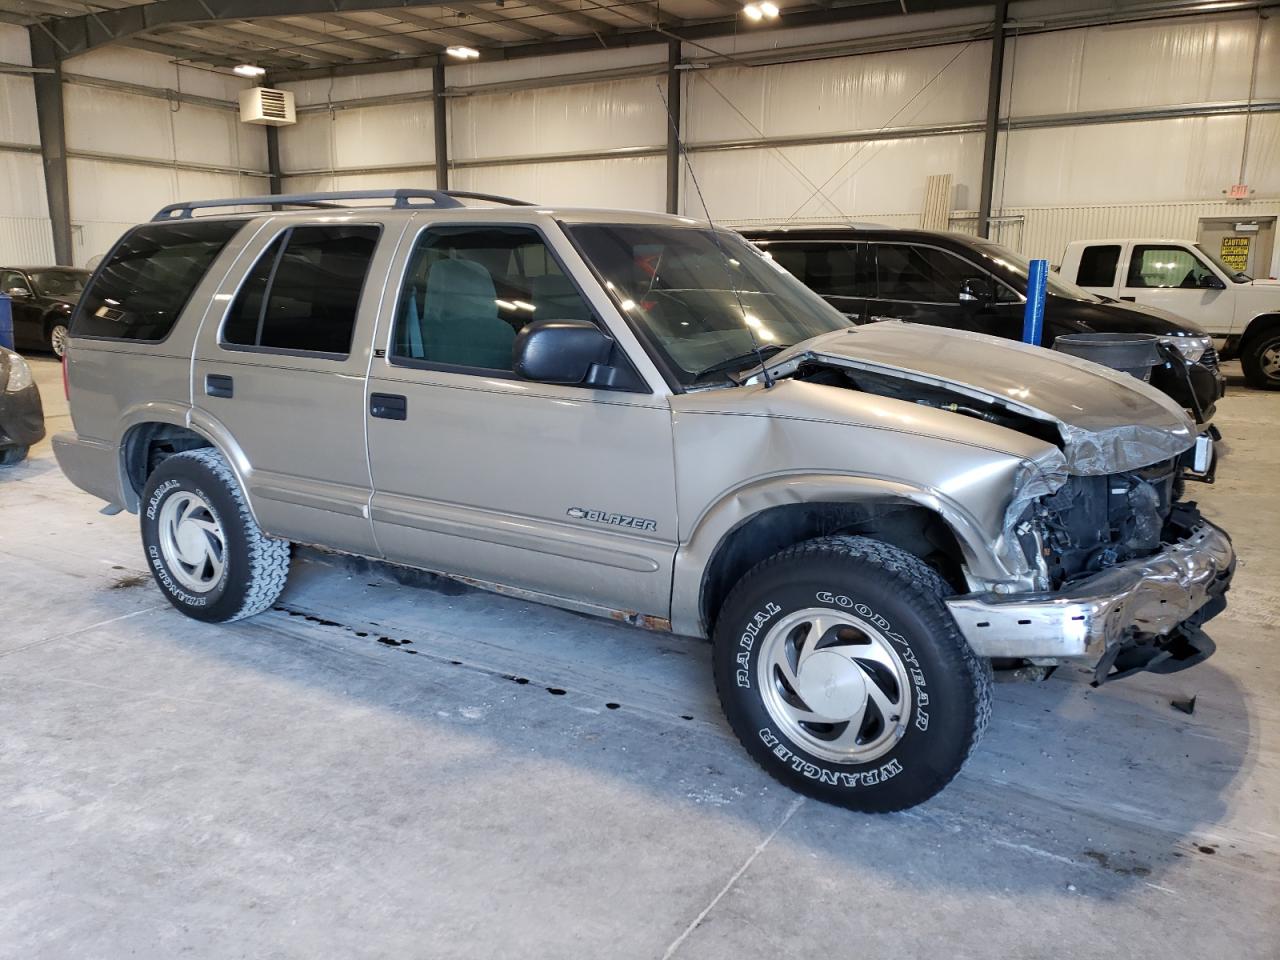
(707, 299)
(1237, 276)
(1019, 266)
(59, 283)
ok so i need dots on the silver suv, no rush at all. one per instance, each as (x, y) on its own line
(642, 417)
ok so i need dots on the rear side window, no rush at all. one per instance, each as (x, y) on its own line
(1098, 266)
(303, 293)
(831, 269)
(141, 290)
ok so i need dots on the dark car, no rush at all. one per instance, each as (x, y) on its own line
(43, 299)
(21, 413)
(967, 283)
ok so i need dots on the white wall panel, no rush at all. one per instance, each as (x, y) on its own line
(393, 134)
(419, 179)
(1194, 157)
(18, 110)
(106, 121)
(1138, 65)
(869, 178)
(841, 95)
(631, 183)
(337, 89)
(155, 70)
(582, 117)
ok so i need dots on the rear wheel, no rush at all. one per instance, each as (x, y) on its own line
(844, 676)
(1260, 360)
(58, 335)
(205, 551)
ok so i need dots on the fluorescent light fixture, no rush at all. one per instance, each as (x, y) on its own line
(761, 11)
(248, 70)
(463, 53)
(522, 305)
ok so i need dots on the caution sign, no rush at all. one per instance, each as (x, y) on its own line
(1235, 253)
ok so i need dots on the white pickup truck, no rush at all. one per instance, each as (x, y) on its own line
(1240, 313)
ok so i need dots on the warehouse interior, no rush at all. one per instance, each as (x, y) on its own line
(394, 761)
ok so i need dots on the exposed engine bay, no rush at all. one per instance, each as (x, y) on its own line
(1087, 524)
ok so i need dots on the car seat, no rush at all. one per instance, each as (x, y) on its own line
(460, 323)
(556, 298)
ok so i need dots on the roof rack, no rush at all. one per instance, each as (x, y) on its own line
(400, 200)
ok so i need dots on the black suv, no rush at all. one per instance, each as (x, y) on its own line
(967, 283)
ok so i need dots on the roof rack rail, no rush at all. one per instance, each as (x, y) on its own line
(400, 200)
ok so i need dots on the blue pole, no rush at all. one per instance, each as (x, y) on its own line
(1033, 318)
(6, 321)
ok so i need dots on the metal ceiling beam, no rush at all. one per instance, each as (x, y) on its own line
(267, 36)
(406, 42)
(362, 48)
(194, 43)
(187, 54)
(453, 33)
(578, 17)
(486, 16)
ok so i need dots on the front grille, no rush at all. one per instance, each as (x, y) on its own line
(1210, 359)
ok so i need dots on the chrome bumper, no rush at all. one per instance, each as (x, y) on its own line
(1149, 596)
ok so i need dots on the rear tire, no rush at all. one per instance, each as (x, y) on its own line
(844, 676)
(57, 339)
(205, 551)
(1260, 360)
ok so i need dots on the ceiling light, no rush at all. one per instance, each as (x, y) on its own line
(753, 11)
(761, 11)
(463, 53)
(249, 70)
(770, 10)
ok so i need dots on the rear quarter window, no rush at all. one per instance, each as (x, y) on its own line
(144, 284)
(1098, 266)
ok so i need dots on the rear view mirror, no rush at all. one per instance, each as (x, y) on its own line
(560, 351)
(1208, 281)
(18, 292)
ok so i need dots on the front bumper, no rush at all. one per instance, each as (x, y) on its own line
(21, 417)
(1150, 597)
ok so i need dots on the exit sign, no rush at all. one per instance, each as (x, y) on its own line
(1239, 191)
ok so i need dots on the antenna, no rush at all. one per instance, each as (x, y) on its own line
(715, 235)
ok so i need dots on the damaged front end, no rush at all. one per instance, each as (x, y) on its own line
(1122, 573)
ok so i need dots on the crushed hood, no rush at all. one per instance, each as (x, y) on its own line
(1109, 422)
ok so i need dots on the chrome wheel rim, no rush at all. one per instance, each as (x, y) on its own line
(1270, 361)
(834, 684)
(192, 542)
(58, 340)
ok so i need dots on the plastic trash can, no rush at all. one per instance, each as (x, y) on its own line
(1133, 353)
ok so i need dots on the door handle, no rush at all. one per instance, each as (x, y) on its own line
(388, 406)
(218, 385)
(1130, 299)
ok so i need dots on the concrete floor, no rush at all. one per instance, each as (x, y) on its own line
(378, 770)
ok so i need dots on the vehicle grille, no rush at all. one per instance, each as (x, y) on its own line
(1210, 359)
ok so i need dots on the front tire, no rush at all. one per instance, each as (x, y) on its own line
(205, 551)
(843, 674)
(1260, 361)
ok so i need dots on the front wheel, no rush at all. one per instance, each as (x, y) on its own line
(844, 676)
(1260, 361)
(205, 550)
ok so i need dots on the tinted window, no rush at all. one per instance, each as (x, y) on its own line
(1098, 266)
(1165, 267)
(709, 301)
(831, 269)
(146, 282)
(303, 292)
(59, 283)
(467, 292)
(921, 274)
(12, 279)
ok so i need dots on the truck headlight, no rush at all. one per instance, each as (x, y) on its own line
(1192, 348)
(19, 374)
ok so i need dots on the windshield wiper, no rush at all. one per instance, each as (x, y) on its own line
(742, 359)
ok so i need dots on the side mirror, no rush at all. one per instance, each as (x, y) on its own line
(559, 351)
(1208, 281)
(973, 291)
(18, 292)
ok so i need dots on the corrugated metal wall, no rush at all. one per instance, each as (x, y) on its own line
(25, 236)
